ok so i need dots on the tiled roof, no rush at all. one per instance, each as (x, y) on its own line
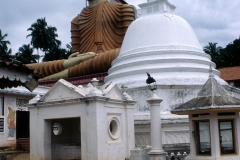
(14, 74)
(230, 73)
(211, 96)
(77, 80)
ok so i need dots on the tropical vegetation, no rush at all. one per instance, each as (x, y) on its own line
(5, 52)
(224, 57)
(43, 36)
(25, 55)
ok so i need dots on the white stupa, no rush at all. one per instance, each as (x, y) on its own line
(164, 45)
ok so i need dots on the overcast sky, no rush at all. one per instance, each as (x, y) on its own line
(212, 20)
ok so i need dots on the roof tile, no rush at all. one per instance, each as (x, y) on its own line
(230, 73)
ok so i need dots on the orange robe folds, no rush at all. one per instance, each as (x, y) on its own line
(99, 29)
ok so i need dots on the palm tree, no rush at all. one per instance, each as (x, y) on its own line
(25, 54)
(231, 54)
(52, 38)
(43, 36)
(214, 52)
(4, 51)
(55, 53)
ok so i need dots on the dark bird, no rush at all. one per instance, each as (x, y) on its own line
(150, 79)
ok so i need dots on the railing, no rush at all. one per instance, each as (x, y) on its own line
(177, 156)
(3, 156)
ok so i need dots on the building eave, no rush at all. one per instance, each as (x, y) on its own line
(207, 110)
(17, 92)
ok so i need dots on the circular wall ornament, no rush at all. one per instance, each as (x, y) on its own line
(114, 128)
(57, 129)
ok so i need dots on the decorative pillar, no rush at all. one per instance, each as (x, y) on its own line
(156, 153)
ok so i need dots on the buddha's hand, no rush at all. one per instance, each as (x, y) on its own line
(77, 54)
(74, 55)
(91, 54)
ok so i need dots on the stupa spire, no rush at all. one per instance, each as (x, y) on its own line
(211, 75)
(156, 6)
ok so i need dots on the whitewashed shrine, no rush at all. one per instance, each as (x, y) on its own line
(71, 122)
(214, 123)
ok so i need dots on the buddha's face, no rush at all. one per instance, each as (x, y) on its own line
(94, 2)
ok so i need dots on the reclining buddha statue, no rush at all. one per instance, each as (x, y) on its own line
(98, 30)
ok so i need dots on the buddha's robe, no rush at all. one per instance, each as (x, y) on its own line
(99, 29)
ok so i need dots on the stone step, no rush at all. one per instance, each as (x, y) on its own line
(23, 144)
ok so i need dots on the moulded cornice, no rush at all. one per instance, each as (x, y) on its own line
(159, 53)
(68, 101)
(158, 60)
(154, 101)
(61, 102)
(161, 48)
(154, 70)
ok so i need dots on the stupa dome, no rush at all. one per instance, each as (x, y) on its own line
(159, 32)
(164, 45)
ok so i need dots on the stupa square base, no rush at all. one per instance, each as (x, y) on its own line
(157, 155)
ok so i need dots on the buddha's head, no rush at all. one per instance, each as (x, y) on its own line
(94, 2)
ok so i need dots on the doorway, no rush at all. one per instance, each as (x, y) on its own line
(22, 130)
(66, 139)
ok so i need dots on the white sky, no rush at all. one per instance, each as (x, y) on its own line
(212, 20)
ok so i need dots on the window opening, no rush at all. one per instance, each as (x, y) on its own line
(1, 125)
(201, 115)
(1, 107)
(203, 140)
(226, 113)
(226, 136)
(114, 128)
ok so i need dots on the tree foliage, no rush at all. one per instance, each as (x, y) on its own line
(224, 57)
(231, 54)
(5, 52)
(25, 54)
(214, 51)
(55, 53)
(43, 36)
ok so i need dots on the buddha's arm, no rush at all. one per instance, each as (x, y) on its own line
(52, 67)
(98, 64)
(69, 63)
(59, 75)
(72, 61)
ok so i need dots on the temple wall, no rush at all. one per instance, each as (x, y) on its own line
(5, 139)
(14, 100)
(172, 95)
(11, 104)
